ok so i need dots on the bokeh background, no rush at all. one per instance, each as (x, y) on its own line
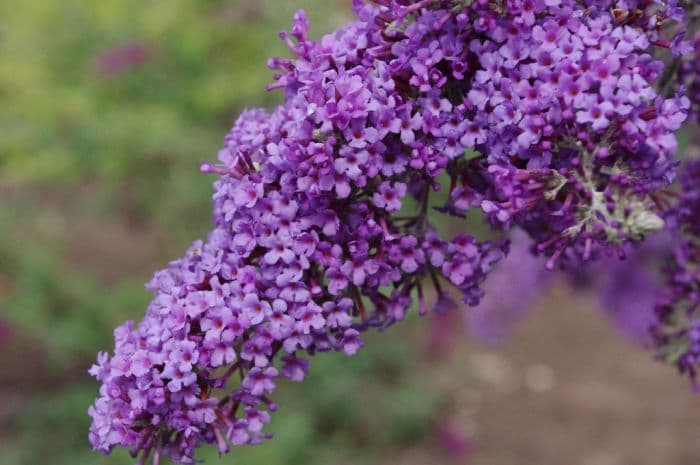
(106, 109)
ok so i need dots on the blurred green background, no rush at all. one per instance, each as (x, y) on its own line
(106, 109)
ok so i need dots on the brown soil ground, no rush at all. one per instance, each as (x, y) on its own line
(569, 390)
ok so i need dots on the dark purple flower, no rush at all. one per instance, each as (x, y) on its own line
(351, 341)
(259, 380)
(294, 368)
(389, 196)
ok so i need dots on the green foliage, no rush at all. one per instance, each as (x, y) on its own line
(63, 121)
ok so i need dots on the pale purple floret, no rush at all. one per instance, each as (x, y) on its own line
(260, 380)
(351, 341)
(294, 368)
(389, 196)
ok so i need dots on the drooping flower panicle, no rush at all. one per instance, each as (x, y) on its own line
(542, 114)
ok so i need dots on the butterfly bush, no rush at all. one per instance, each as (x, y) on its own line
(547, 115)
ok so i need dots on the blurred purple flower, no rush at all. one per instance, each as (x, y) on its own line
(510, 294)
(453, 441)
(627, 289)
(117, 60)
(442, 335)
(5, 333)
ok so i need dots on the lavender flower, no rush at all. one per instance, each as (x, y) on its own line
(305, 255)
(543, 114)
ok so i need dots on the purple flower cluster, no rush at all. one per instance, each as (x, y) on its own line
(541, 113)
(561, 103)
(677, 329)
(307, 252)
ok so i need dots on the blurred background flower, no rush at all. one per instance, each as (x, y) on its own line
(123, 58)
(106, 109)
